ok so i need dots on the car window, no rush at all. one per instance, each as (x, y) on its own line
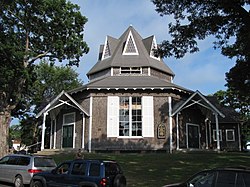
(23, 161)
(79, 168)
(63, 168)
(44, 162)
(4, 160)
(94, 169)
(12, 160)
(111, 169)
(243, 180)
(204, 179)
(226, 179)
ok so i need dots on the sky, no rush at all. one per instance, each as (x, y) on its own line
(203, 71)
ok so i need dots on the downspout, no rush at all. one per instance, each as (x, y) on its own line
(170, 124)
(217, 132)
(43, 130)
(90, 122)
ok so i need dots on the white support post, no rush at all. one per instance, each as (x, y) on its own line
(177, 131)
(170, 124)
(217, 132)
(83, 130)
(43, 130)
(90, 122)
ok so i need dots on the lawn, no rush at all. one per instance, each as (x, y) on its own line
(157, 169)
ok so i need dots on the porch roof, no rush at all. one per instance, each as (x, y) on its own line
(196, 98)
(61, 99)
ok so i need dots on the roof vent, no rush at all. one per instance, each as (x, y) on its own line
(106, 50)
(130, 46)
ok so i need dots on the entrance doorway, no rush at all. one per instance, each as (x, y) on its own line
(193, 136)
(68, 136)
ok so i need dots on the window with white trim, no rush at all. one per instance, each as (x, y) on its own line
(130, 116)
(230, 136)
(215, 136)
(130, 70)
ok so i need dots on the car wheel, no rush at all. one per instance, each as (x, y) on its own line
(120, 181)
(18, 181)
(37, 184)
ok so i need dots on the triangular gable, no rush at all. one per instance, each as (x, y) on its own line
(58, 102)
(205, 104)
(130, 47)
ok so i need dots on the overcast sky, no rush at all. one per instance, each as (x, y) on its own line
(203, 71)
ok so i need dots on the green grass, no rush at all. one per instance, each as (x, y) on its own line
(158, 169)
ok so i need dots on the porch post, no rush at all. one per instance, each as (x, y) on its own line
(90, 122)
(170, 124)
(239, 136)
(83, 130)
(177, 132)
(217, 132)
(43, 130)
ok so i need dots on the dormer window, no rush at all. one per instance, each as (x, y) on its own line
(106, 50)
(130, 46)
(153, 48)
(130, 70)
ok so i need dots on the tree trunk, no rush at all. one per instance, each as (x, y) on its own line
(5, 118)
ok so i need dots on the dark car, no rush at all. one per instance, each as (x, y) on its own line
(219, 177)
(82, 173)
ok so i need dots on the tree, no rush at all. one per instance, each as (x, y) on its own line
(228, 21)
(228, 98)
(50, 81)
(32, 30)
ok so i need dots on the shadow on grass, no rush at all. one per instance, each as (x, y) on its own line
(158, 169)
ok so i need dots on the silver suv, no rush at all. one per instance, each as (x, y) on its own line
(19, 169)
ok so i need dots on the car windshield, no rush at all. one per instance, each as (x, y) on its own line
(44, 162)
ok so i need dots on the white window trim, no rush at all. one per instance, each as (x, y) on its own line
(113, 118)
(67, 124)
(214, 135)
(232, 130)
(153, 47)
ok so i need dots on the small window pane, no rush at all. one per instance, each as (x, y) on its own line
(230, 135)
(69, 118)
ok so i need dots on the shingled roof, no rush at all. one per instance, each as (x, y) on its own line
(130, 50)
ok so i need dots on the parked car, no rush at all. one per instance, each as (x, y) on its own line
(19, 169)
(219, 177)
(82, 173)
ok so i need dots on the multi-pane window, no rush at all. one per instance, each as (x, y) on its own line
(130, 116)
(230, 135)
(131, 70)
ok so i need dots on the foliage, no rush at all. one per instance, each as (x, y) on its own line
(228, 21)
(50, 81)
(228, 98)
(32, 30)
